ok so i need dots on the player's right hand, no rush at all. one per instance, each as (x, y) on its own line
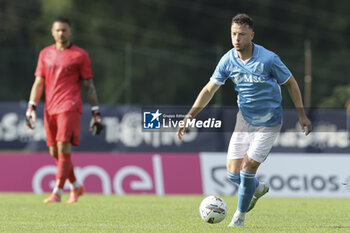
(306, 126)
(31, 115)
(182, 130)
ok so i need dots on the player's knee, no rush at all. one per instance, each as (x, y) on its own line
(250, 164)
(234, 165)
(64, 147)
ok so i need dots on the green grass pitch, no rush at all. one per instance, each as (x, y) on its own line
(24, 212)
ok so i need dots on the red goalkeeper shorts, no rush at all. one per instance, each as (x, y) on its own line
(62, 127)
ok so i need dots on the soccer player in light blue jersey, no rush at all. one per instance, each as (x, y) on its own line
(257, 74)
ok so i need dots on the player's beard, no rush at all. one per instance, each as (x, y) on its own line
(63, 41)
(243, 49)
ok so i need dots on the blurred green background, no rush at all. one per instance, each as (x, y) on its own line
(162, 52)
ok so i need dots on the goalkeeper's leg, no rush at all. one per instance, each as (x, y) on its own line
(76, 189)
(64, 166)
(71, 176)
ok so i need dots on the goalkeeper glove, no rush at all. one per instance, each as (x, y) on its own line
(96, 125)
(31, 115)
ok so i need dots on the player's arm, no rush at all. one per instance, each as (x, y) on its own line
(295, 94)
(37, 89)
(90, 92)
(202, 100)
(34, 98)
(96, 126)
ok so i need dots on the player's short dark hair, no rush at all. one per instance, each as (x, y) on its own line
(62, 20)
(243, 19)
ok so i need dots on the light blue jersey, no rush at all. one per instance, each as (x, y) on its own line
(257, 83)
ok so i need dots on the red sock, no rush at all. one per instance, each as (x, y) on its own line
(71, 175)
(63, 168)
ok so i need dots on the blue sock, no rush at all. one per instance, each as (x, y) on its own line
(236, 178)
(246, 190)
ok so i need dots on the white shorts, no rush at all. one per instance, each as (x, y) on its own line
(255, 141)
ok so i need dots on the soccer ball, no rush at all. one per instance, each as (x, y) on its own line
(213, 209)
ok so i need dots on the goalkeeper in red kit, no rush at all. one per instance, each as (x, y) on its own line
(61, 71)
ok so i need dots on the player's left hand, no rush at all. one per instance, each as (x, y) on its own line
(96, 125)
(306, 126)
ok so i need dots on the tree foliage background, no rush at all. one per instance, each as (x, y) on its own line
(153, 52)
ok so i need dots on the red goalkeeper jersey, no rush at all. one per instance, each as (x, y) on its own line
(63, 72)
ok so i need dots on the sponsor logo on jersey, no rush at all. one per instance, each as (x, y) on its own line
(248, 78)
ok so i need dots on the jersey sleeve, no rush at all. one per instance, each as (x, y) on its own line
(279, 70)
(220, 74)
(40, 67)
(85, 68)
